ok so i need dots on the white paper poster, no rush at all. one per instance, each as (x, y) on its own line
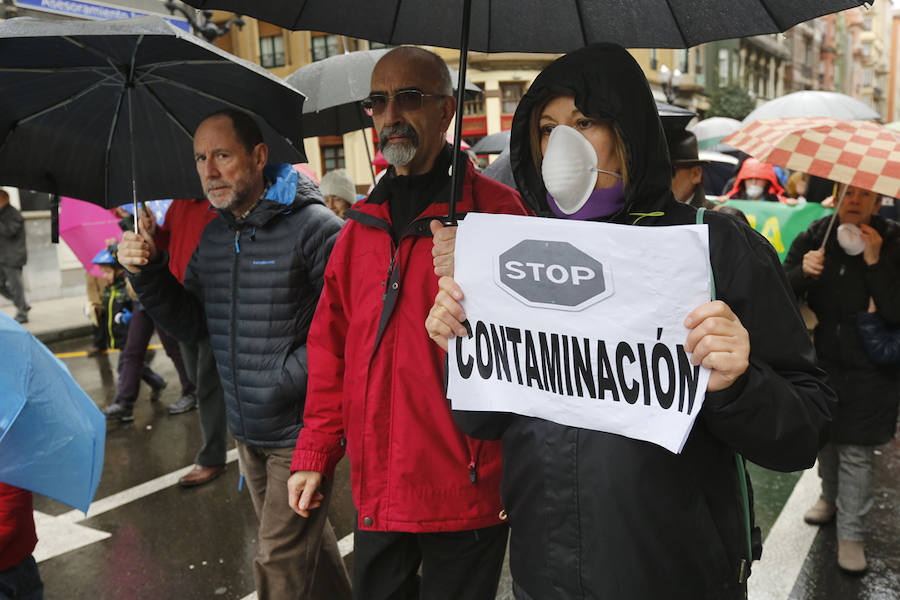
(581, 323)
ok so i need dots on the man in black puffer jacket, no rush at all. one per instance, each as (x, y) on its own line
(254, 281)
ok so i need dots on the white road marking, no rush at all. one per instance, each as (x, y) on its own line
(61, 534)
(787, 545)
(345, 545)
(131, 494)
(57, 536)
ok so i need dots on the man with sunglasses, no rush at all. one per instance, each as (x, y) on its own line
(426, 494)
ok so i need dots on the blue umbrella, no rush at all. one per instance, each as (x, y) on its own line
(52, 435)
(157, 208)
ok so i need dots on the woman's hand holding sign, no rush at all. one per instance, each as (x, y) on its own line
(719, 342)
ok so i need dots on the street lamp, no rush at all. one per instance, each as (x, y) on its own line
(670, 83)
(206, 27)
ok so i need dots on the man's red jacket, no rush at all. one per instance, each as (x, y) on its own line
(376, 380)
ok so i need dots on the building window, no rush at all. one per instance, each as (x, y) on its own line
(379, 46)
(332, 156)
(867, 77)
(271, 51)
(475, 106)
(723, 67)
(867, 23)
(324, 46)
(683, 61)
(698, 61)
(510, 94)
(867, 49)
(654, 61)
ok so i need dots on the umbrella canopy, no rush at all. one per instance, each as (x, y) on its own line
(674, 117)
(532, 25)
(710, 132)
(307, 170)
(536, 25)
(492, 144)
(859, 153)
(811, 103)
(157, 208)
(334, 88)
(500, 170)
(104, 111)
(52, 435)
(85, 227)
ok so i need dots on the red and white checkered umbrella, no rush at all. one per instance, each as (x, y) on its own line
(860, 153)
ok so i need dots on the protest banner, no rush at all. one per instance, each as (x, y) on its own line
(780, 223)
(581, 323)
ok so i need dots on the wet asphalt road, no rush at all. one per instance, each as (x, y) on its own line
(173, 543)
(170, 542)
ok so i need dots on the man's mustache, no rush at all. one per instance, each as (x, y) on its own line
(406, 131)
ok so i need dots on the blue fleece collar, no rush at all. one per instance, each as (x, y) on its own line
(284, 187)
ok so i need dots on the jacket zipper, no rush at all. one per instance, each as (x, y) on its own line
(233, 327)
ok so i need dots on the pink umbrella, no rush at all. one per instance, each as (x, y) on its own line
(85, 227)
(306, 170)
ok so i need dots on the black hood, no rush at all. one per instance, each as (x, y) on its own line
(607, 83)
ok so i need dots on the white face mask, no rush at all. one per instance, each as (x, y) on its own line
(569, 168)
(850, 239)
(754, 191)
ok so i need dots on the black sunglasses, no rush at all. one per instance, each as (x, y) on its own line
(406, 100)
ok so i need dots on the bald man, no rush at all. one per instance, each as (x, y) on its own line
(426, 494)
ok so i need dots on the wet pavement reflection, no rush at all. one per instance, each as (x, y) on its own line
(148, 538)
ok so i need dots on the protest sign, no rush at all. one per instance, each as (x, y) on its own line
(581, 323)
(780, 223)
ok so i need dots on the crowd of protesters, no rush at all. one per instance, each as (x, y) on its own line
(312, 333)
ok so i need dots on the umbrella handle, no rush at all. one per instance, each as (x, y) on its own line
(834, 216)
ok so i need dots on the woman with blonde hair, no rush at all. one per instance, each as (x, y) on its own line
(600, 515)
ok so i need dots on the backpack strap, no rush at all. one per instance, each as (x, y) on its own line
(738, 459)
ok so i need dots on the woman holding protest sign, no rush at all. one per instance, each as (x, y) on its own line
(601, 515)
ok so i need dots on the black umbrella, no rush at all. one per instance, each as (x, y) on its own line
(335, 87)
(492, 144)
(533, 25)
(104, 111)
(674, 117)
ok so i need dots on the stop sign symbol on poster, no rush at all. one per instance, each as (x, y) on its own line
(552, 274)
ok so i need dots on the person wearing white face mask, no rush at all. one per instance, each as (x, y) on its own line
(757, 180)
(860, 262)
(599, 515)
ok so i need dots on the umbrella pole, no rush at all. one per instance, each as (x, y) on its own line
(133, 174)
(366, 142)
(837, 208)
(459, 169)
